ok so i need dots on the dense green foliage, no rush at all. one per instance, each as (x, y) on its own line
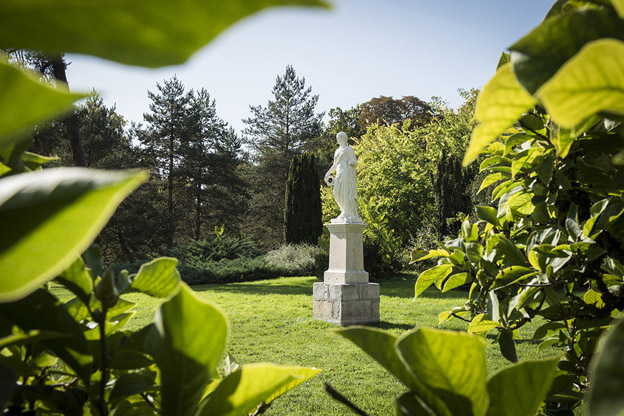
(410, 187)
(553, 244)
(302, 213)
(446, 374)
(75, 357)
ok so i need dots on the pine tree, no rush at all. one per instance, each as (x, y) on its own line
(210, 159)
(276, 133)
(302, 212)
(163, 138)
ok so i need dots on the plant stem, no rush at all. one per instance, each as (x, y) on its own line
(342, 399)
(103, 407)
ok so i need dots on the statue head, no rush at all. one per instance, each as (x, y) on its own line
(342, 138)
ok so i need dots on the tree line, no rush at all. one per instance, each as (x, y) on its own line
(205, 175)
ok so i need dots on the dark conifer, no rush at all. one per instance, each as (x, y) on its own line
(302, 212)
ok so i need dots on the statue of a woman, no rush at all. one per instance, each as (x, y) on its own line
(345, 191)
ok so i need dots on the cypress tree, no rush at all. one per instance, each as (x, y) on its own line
(302, 212)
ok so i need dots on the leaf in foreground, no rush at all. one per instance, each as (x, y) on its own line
(450, 363)
(502, 102)
(524, 384)
(48, 218)
(590, 82)
(159, 278)
(244, 389)
(25, 102)
(187, 341)
(149, 33)
(605, 396)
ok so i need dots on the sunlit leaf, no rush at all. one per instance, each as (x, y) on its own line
(590, 82)
(158, 278)
(492, 179)
(187, 341)
(77, 279)
(148, 33)
(25, 101)
(418, 255)
(619, 7)
(524, 384)
(53, 216)
(502, 102)
(450, 363)
(540, 54)
(428, 277)
(481, 323)
(488, 214)
(455, 281)
(242, 391)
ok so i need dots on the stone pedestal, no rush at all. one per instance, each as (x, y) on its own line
(346, 297)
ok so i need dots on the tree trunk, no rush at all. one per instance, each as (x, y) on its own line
(71, 122)
(170, 226)
(198, 206)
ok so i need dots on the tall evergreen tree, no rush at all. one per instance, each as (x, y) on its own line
(209, 162)
(166, 131)
(302, 212)
(275, 133)
(452, 192)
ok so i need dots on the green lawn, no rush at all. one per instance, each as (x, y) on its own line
(271, 321)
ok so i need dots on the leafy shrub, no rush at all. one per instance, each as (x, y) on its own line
(552, 246)
(444, 373)
(242, 269)
(76, 358)
(216, 249)
(295, 259)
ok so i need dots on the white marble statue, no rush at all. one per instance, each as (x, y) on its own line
(345, 191)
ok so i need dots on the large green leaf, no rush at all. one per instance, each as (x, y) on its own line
(148, 33)
(42, 311)
(48, 218)
(540, 54)
(25, 101)
(502, 102)
(619, 7)
(605, 396)
(452, 364)
(428, 277)
(524, 384)
(77, 279)
(380, 346)
(187, 341)
(130, 384)
(243, 390)
(481, 324)
(590, 82)
(158, 278)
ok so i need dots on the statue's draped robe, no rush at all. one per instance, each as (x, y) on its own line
(345, 191)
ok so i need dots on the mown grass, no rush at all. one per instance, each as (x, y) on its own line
(271, 321)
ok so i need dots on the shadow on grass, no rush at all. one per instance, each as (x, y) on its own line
(400, 286)
(265, 287)
(391, 325)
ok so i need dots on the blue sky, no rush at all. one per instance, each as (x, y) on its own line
(359, 50)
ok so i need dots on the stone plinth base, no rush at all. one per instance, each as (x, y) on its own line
(346, 304)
